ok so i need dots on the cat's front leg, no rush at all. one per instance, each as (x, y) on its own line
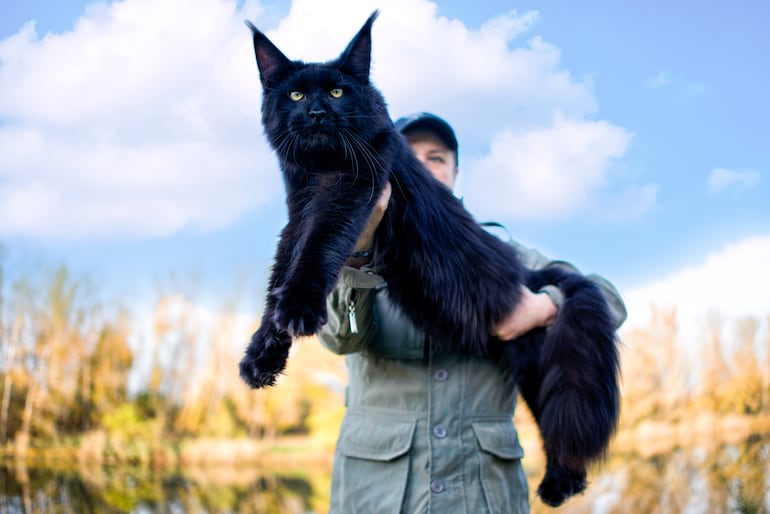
(266, 355)
(300, 309)
(300, 301)
(268, 349)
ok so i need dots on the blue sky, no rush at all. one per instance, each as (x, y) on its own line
(628, 138)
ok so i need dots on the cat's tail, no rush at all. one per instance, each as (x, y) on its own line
(577, 403)
(579, 394)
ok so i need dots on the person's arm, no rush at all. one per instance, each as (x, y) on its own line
(540, 308)
(350, 306)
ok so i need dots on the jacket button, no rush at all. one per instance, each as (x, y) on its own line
(439, 431)
(437, 486)
(440, 375)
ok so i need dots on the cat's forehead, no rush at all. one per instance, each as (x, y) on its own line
(318, 75)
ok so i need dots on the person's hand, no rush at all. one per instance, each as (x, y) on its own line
(366, 240)
(533, 310)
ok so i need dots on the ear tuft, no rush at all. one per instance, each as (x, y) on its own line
(356, 59)
(271, 62)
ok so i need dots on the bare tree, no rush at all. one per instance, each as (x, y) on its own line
(715, 372)
(655, 379)
(744, 392)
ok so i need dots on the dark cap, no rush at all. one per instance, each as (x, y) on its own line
(431, 123)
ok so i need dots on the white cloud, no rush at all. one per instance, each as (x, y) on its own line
(722, 178)
(144, 118)
(665, 79)
(481, 80)
(629, 203)
(659, 80)
(732, 282)
(544, 173)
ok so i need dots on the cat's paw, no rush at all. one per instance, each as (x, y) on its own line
(300, 314)
(265, 357)
(559, 484)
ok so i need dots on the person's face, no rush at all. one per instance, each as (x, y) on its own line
(434, 155)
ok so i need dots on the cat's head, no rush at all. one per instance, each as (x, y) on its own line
(319, 109)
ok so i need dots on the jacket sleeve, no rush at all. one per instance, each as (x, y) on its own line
(535, 260)
(350, 307)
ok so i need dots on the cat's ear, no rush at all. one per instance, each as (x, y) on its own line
(271, 62)
(356, 58)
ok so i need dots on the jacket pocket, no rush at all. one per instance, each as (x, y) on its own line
(502, 477)
(371, 466)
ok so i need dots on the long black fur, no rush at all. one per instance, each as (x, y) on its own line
(447, 273)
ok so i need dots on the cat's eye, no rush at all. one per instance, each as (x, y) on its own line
(296, 96)
(336, 92)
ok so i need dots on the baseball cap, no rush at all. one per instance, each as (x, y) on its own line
(431, 123)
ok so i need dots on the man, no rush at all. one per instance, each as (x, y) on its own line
(427, 430)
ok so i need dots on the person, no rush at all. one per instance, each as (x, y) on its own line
(427, 431)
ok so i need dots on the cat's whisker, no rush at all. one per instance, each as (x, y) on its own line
(294, 149)
(350, 152)
(394, 178)
(361, 145)
(286, 141)
(371, 157)
(369, 151)
(361, 116)
(290, 139)
(283, 148)
(344, 145)
(353, 142)
(346, 142)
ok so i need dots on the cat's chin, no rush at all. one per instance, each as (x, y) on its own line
(321, 146)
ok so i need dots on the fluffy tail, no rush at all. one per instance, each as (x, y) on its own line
(579, 394)
(569, 379)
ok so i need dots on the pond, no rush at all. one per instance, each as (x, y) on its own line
(142, 491)
(703, 479)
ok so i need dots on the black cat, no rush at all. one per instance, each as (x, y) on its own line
(337, 148)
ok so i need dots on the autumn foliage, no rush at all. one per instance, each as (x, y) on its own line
(79, 374)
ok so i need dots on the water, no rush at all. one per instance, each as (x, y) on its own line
(717, 478)
(137, 491)
(705, 479)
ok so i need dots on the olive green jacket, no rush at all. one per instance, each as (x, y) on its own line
(425, 431)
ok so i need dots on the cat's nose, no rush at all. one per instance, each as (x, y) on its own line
(317, 114)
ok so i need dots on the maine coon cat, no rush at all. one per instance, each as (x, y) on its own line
(337, 148)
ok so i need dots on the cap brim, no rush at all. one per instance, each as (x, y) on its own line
(430, 123)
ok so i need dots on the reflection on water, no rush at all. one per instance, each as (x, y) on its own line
(143, 492)
(727, 478)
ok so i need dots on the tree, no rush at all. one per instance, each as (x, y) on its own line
(716, 372)
(743, 394)
(654, 376)
(766, 368)
(105, 374)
